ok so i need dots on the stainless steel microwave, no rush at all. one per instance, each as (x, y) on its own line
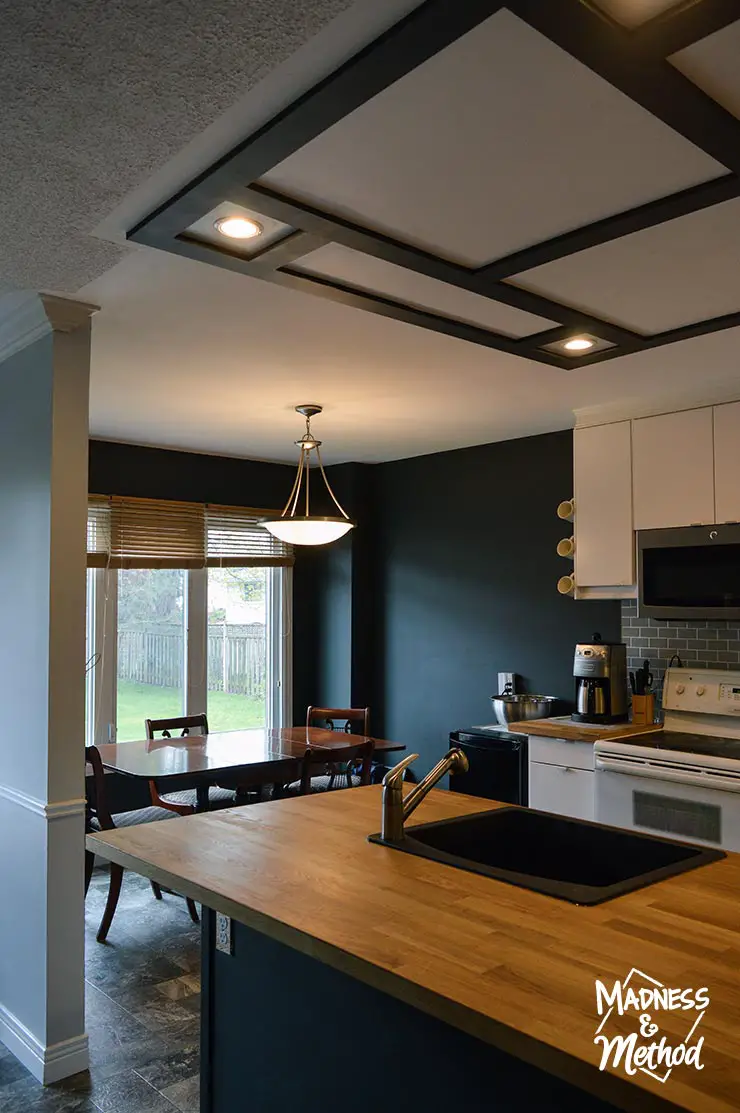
(693, 572)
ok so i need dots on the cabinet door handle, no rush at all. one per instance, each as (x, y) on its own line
(568, 769)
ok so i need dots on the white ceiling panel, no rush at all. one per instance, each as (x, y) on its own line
(388, 280)
(682, 271)
(498, 142)
(713, 64)
(631, 13)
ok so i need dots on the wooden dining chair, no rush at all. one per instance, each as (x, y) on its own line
(183, 802)
(356, 756)
(352, 720)
(355, 720)
(99, 818)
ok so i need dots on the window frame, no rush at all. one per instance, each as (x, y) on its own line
(102, 618)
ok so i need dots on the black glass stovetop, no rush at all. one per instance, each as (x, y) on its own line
(685, 743)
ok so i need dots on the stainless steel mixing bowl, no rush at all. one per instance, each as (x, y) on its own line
(516, 709)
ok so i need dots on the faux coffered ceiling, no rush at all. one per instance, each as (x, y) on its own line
(508, 174)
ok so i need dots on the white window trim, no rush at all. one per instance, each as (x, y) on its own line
(104, 644)
(196, 655)
(280, 648)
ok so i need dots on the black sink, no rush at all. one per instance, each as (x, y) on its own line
(585, 863)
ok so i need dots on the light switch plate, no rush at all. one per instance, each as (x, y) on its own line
(223, 934)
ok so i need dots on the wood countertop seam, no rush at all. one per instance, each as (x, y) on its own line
(511, 967)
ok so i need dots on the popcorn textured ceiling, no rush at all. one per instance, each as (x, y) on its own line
(95, 97)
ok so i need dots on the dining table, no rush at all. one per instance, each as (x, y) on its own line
(260, 756)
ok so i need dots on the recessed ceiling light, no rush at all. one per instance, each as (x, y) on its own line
(238, 227)
(573, 349)
(578, 344)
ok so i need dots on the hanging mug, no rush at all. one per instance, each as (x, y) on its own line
(566, 585)
(567, 548)
(567, 510)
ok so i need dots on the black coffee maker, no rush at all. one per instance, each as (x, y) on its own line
(600, 671)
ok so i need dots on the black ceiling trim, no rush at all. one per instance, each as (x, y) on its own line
(549, 336)
(654, 84)
(204, 252)
(291, 247)
(359, 238)
(530, 345)
(346, 294)
(575, 363)
(422, 262)
(632, 61)
(578, 320)
(671, 31)
(698, 328)
(399, 50)
(649, 215)
(288, 247)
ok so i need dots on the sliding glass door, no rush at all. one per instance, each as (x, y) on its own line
(151, 648)
(164, 642)
(237, 648)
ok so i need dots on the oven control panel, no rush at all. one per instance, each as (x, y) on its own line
(729, 693)
(707, 691)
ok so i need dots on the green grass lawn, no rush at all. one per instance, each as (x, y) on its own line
(137, 702)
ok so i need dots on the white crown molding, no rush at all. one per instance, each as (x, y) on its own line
(709, 394)
(60, 810)
(26, 316)
(47, 1064)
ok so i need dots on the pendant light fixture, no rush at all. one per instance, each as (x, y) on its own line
(308, 529)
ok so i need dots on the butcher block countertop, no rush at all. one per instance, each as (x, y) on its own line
(564, 727)
(509, 966)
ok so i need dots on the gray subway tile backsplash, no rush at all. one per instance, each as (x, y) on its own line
(701, 643)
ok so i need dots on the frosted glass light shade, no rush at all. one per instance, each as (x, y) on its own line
(309, 531)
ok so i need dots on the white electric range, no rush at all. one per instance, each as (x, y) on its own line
(684, 781)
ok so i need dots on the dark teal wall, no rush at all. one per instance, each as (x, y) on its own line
(158, 473)
(344, 606)
(448, 578)
(464, 586)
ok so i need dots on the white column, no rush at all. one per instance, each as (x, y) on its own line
(44, 386)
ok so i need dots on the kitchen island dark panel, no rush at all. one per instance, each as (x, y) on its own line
(287, 1032)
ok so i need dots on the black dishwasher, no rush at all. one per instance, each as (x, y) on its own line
(498, 764)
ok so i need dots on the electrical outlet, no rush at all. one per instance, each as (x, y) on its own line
(223, 934)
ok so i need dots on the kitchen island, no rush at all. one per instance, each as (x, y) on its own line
(371, 980)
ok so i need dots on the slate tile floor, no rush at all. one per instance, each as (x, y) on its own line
(143, 1014)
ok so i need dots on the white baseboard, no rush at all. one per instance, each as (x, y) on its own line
(47, 1064)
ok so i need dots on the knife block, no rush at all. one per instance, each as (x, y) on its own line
(643, 710)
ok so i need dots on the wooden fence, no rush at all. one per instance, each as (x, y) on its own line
(237, 658)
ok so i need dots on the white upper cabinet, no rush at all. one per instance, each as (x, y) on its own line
(673, 469)
(605, 550)
(727, 462)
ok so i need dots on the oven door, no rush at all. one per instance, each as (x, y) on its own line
(701, 808)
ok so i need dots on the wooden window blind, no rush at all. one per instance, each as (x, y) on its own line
(235, 538)
(153, 533)
(98, 531)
